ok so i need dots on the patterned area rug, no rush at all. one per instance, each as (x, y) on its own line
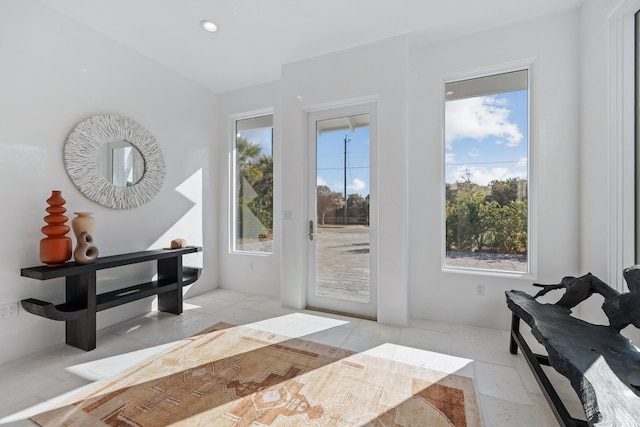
(238, 376)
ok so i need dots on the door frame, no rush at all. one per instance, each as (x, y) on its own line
(368, 105)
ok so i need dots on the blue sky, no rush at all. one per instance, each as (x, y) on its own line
(330, 158)
(486, 138)
(261, 137)
(330, 161)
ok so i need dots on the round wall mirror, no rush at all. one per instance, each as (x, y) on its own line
(114, 161)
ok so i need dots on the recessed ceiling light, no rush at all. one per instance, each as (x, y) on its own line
(209, 26)
(449, 93)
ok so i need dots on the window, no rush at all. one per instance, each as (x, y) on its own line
(253, 185)
(486, 173)
(636, 136)
(622, 161)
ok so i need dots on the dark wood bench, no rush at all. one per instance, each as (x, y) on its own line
(602, 365)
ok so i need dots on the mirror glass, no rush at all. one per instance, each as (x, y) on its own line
(114, 161)
(121, 163)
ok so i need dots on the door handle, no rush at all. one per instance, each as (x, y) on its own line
(311, 235)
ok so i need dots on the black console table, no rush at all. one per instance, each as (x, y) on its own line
(82, 302)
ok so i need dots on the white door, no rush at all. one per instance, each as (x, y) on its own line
(341, 215)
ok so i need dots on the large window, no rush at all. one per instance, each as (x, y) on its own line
(253, 185)
(486, 173)
(636, 142)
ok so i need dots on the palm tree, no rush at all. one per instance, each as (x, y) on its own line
(246, 154)
(256, 171)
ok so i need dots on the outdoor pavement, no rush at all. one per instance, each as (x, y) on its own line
(485, 260)
(343, 262)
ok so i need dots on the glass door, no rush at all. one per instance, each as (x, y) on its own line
(339, 224)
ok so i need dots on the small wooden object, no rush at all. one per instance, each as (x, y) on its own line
(178, 243)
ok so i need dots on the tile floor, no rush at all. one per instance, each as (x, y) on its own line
(507, 393)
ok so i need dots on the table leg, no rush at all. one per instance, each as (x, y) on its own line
(81, 290)
(170, 271)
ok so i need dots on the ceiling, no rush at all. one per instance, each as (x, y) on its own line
(256, 37)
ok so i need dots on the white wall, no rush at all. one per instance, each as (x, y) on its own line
(406, 74)
(552, 42)
(245, 272)
(594, 109)
(55, 72)
(377, 69)
(601, 139)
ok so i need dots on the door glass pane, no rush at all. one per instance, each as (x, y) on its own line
(342, 203)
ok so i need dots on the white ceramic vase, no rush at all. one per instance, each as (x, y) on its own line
(86, 251)
(82, 222)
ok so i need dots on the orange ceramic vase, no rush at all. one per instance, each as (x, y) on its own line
(55, 249)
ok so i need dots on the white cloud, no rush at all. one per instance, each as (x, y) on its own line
(479, 118)
(449, 158)
(522, 162)
(474, 152)
(482, 175)
(356, 185)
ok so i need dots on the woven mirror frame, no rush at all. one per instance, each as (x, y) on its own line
(81, 161)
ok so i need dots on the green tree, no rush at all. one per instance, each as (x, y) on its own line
(358, 208)
(477, 222)
(504, 192)
(255, 171)
(246, 153)
(261, 174)
(471, 219)
(512, 228)
(451, 223)
(327, 201)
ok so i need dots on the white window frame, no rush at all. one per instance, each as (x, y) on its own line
(232, 180)
(622, 167)
(532, 185)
